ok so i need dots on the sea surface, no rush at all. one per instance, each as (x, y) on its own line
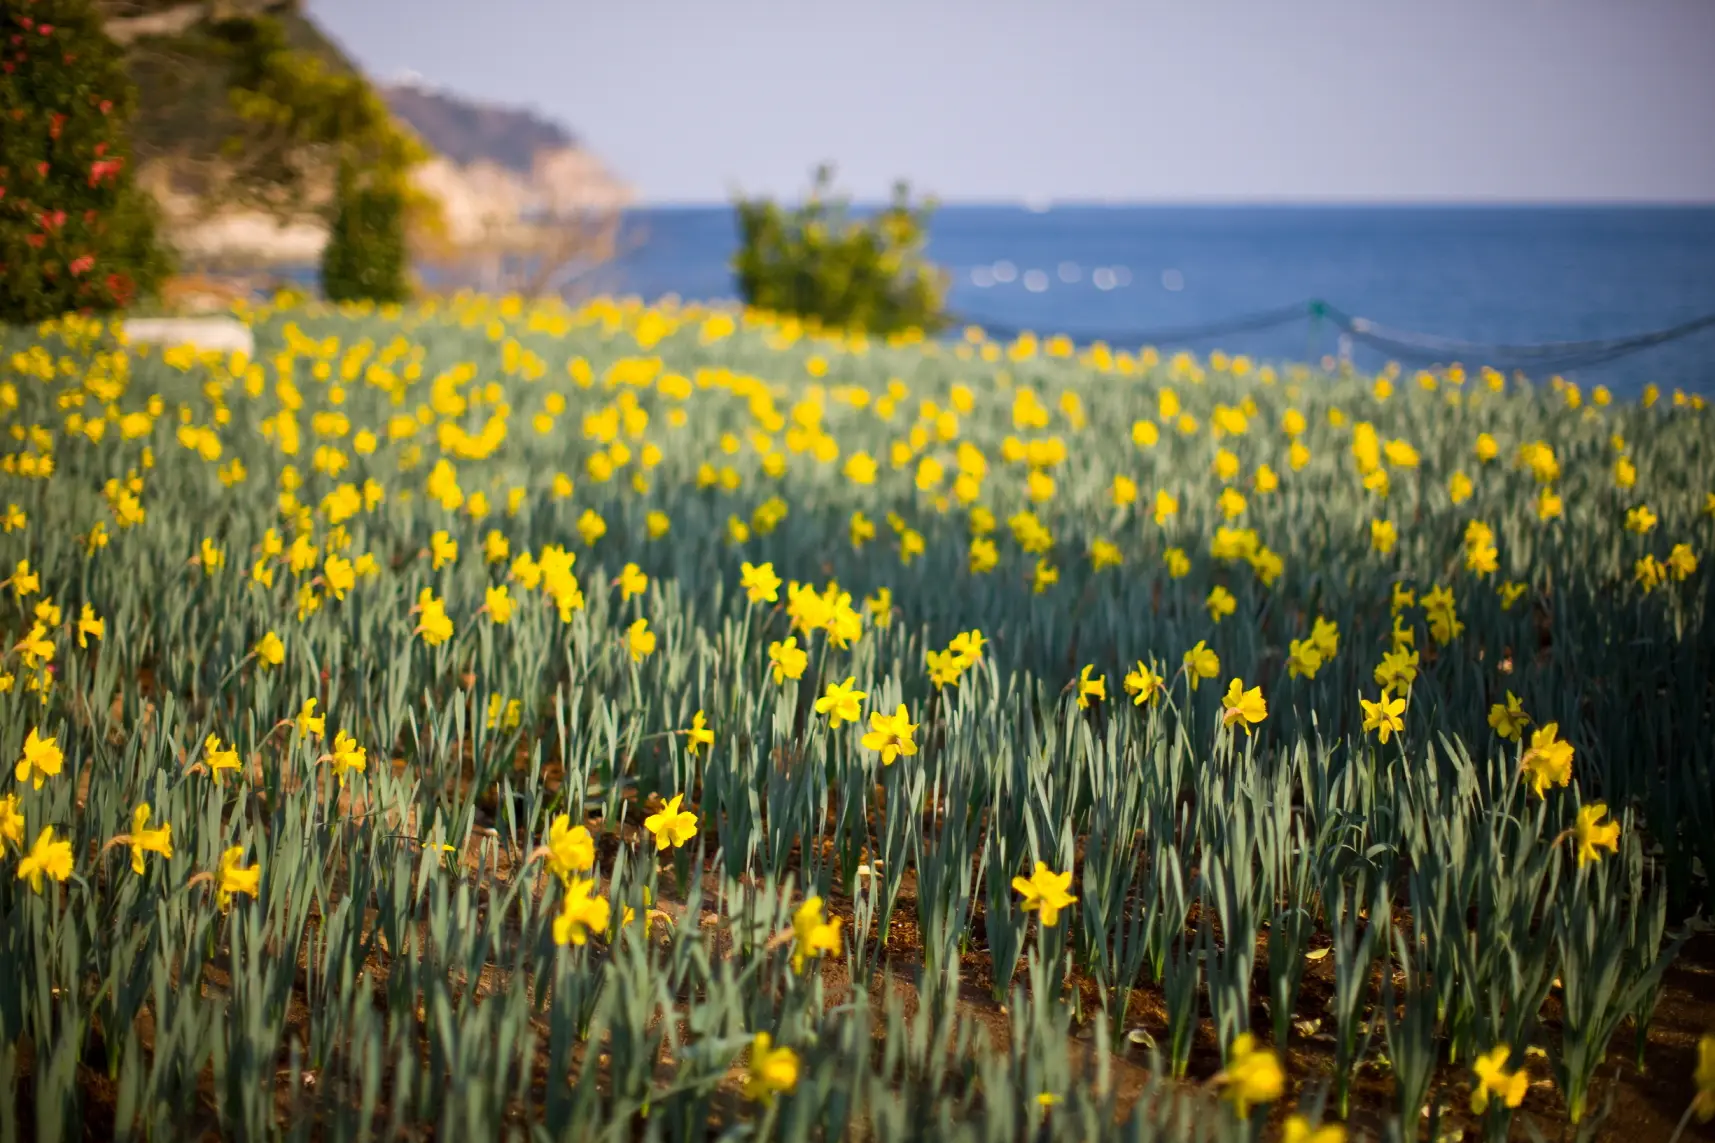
(1480, 275)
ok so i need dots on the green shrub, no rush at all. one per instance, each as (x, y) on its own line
(820, 262)
(76, 233)
(365, 258)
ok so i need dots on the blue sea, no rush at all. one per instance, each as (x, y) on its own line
(1479, 276)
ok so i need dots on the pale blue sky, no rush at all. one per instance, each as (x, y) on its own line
(1135, 100)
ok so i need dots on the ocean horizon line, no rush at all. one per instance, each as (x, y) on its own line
(1046, 204)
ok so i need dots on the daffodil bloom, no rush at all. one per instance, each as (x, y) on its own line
(218, 759)
(443, 550)
(862, 530)
(571, 849)
(1648, 573)
(347, 756)
(771, 1070)
(813, 933)
(1444, 625)
(1397, 670)
(1383, 535)
(1143, 684)
(1681, 563)
(1549, 760)
(1494, 1081)
(433, 623)
(1045, 892)
(1383, 715)
(1253, 1075)
(1303, 659)
(841, 702)
(1509, 719)
(36, 646)
(1201, 663)
(498, 602)
(1243, 708)
(699, 736)
(911, 545)
(1591, 834)
(308, 722)
(233, 877)
(1483, 559)
(787, 659)
(89, 623)
(41, 759)
(1510, 593)
(671, 826)
(945, 668)
(1703, 1079)
(1297, 1129)
(46, 858)
(526, 571)
(270, 649)
(891, 736)
(146, 840)
(632, 582)
(339, 575)
(1220, 603)
(1091, 689)
(11, 822)
(967, 646)
(639, 640)
(1325, 633)
(583, 912)
(759, 582)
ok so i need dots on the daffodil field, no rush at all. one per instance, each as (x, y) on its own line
(498, 720)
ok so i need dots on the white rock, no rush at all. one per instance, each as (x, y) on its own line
(222, 333)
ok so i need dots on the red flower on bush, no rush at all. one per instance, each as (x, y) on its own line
(104, 169)
(83, 265)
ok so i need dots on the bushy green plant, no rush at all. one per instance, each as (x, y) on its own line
(819, 261)
(76, 233)
(365, 257)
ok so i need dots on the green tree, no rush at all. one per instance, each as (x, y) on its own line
(365, 258)
(821, 262)
(76, 233)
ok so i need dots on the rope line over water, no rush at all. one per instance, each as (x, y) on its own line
(1403, 344)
